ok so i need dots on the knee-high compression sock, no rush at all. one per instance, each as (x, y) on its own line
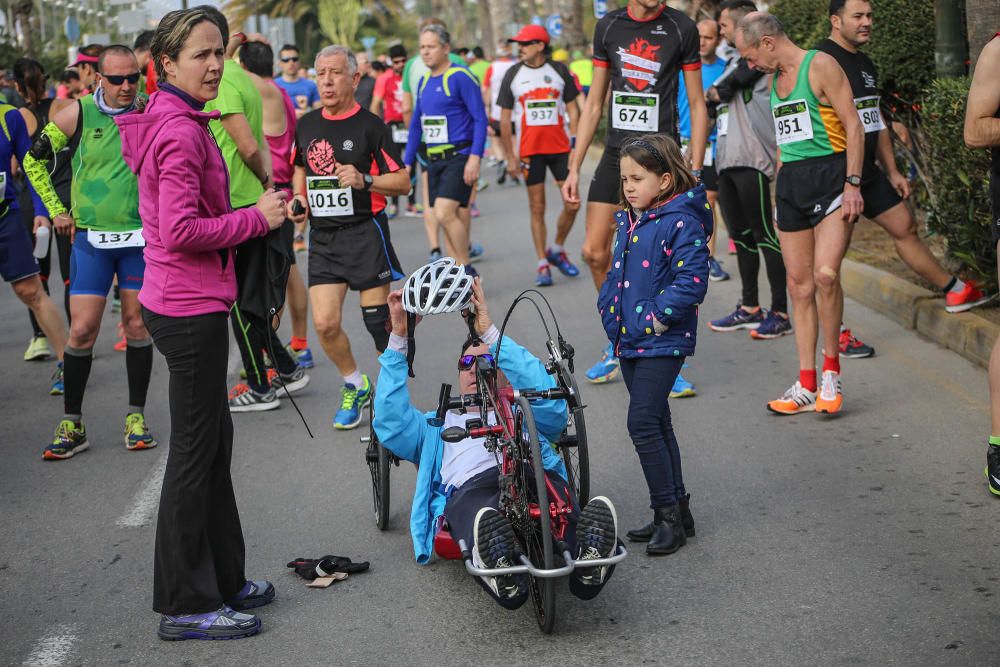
(139, 367)
(76, 372)
(376, 321)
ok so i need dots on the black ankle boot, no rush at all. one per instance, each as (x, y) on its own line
(668, 531)
(687, 520)
(641, 534)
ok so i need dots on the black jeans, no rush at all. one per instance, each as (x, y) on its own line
(649, 381)
(200, 552)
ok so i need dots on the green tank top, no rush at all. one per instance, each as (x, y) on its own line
(804, 128)
(105, 192)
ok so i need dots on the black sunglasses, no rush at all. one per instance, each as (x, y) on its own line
(466, 361)
(399, 61)
(290, 59)
(119, 79)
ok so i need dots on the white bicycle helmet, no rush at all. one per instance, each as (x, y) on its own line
(439, 287)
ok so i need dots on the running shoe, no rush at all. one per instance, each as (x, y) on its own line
(224, 623)
(596, 537)
(435, 254)
(732, 247)
(122, 343)
(993, 469)
(544, 277)
(351, 403)
(560, 260)
(970, 297)
(606, 369)
(715, 271)
(474, 211)
(38, 349)
(475, 252)
(70, 439)
(293, 382)
(495, 547)
(137, 434)
(116, 305)
(304, 357)
(58, 388)
(299, 243)
(501, 172)
(773, 326)
(481, 185)
(244, 399)
(797, 399)
(831, 394)
(740, 318)
(253, 594)
(852, 348)
(682, 388)
(391, 211)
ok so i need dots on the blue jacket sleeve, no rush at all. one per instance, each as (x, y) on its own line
(416, 129)
(525, 371)
(22, 143)
(472, 96)
(689, 271)
(399, 425)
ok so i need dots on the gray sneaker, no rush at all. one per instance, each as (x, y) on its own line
(223, 623)
(245, 399)
(293, 382)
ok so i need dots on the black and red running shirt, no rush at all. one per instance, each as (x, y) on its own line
(358, 138)
(538, 97)
(644, 58)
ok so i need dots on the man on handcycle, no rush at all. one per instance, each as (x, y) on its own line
(460, 481)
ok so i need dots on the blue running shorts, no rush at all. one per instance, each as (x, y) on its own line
(92, 270)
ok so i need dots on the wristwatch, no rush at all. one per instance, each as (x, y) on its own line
(368, 181)
(853, 180)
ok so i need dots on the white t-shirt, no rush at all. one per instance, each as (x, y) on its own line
(461, 461)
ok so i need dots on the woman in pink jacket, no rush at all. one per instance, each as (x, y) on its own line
(189, 286)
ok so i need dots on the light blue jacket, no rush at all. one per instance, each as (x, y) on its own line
(403, 430)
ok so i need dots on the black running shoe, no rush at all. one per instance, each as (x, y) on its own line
(596, 537)
(993, 469)
(223, 623)
(496, 547)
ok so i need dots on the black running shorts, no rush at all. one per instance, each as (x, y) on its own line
(605, 186)
(879, 195)
(446, 179)
(360, 255)
(808, 191)
(534, 167)
(710, 178)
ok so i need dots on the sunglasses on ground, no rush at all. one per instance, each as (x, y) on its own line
(290, 59)
(466, 361)
(119, 79)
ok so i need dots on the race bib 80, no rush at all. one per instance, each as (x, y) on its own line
(327, 199)
(869, 113)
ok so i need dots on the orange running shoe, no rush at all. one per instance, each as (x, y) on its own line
(122, 343)
(831, 394)
(970, 297)
(797, 399)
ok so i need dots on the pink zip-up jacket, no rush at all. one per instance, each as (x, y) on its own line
(187, 221)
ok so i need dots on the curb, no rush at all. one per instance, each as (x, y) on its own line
(921, 310)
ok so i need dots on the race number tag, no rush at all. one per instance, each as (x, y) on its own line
(541, 112)
(792, 122)
(327, 199)
(435, 129)
(868, 111)
(638, 112)
(114, 240)
(400, 135)
(722, 121)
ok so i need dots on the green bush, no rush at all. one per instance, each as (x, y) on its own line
(955, 179)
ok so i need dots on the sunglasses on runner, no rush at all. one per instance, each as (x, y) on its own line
(399, 61)
(290, 59)
(466, 361)
(119, 79)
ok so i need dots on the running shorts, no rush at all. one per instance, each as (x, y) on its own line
(360, 255)
(534, 167)
(605, 186)
(809, 190)
(879, 195)
(92, 270)
(710, 178)
(446, 179)
(16, 260)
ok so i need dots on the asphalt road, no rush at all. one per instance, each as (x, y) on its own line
(862, 539)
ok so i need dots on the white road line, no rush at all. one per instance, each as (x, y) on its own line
(144, 503)
(54, 648)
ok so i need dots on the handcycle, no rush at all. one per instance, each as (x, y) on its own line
(380, 462)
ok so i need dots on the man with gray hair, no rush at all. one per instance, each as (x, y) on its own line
(821, 151)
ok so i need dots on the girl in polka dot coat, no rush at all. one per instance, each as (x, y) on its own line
(649, 308)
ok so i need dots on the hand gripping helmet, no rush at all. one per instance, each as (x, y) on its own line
(439, 287)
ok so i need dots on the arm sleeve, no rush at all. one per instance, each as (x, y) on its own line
(505, 95)
(182, 229)
(400, 426)
(689, 270)
(473, 98)
(37, 172)
(22, 143)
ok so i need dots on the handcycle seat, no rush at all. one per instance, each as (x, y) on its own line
(445, 545)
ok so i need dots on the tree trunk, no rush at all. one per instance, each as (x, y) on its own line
(982, 18)
(571, 12)
(502, 18)
(951, 50)
(486, 38)
(457, 25)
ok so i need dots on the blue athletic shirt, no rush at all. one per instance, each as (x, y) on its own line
(14, 141)
(303, 92)
(709, 74)
(457, 96)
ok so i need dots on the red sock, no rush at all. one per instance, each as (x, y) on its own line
(299, 344)
(807, 378)
(831, 364)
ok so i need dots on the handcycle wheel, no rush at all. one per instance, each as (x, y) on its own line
(573, 447)
(538, 535)
(379, 467)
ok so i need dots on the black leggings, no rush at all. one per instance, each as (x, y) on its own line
(199, 554)
(745, 197)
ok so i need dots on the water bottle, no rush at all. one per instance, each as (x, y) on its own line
(42, 242)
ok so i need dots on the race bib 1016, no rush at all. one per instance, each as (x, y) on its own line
(792, 122)
(638, 112)
(327, 199)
